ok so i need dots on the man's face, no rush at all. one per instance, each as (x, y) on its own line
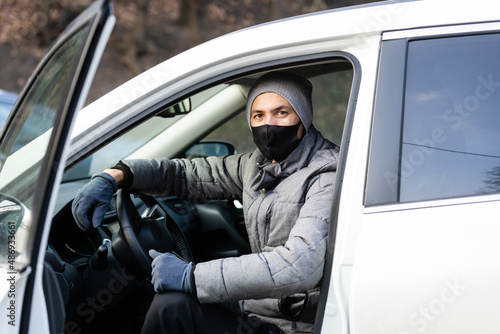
(273, 109)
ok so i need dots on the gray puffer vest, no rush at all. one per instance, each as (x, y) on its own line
(287, 212)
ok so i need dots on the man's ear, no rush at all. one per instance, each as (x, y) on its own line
(301, 131)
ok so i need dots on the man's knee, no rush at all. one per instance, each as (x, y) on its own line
(173, 304)
(171, 312)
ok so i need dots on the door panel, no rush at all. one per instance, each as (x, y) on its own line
(32, 156)
(426, 249)
(432, 270)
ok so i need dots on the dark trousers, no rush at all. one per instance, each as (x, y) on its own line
(180, 313)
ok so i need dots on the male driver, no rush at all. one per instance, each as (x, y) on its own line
(286, 187)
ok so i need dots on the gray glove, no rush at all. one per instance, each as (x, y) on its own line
(169, 273)
(93, 199)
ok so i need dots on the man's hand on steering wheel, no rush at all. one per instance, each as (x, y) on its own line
(92, 200)
(169, 272)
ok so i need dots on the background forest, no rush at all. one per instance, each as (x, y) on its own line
(146, 32)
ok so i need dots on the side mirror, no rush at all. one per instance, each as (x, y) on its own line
(210, 148)
(15, 220)
(180, 108)
(11, 211)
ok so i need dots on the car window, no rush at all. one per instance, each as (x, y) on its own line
(27, 142)
(331, 92)
(451, 139)
(132, 140)
(434, 130)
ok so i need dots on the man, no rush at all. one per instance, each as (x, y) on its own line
(286, 188)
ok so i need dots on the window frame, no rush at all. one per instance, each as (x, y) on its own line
(385, 149)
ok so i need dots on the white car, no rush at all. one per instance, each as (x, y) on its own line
(410, 90)
(7, 101)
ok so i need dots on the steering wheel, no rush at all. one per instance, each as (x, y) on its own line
(138, 235)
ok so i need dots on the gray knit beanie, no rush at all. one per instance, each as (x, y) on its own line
(296, 90)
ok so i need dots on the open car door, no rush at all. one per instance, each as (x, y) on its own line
(32, 160)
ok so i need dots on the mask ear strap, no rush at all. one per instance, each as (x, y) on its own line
(302, 130)
(276, 142)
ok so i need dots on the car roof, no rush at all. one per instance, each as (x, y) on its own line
(345, 28)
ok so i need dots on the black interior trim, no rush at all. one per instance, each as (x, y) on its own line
(53, 300)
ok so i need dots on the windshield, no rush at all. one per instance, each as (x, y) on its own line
(133, 140)
(26, 144)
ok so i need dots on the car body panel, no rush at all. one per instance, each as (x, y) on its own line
(399, 268)
(358, 32)
(418, 267)
(443, 253)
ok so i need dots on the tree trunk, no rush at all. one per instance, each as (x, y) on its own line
(135, 43)
(275, 10)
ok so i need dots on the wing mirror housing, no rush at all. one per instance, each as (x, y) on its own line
(180, 108)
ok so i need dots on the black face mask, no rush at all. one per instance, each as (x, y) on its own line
(276, 142)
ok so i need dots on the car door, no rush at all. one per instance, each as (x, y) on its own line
(222, 230)
(32, 158)
(427, 254)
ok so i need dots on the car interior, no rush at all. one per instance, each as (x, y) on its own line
(98, 280)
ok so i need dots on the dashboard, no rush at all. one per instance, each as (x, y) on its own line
(87, 263)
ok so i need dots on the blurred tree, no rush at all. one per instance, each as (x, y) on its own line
(146, 31)
(50, 17)
(275, 10)
(135, 41)
(491, 181)
(192, 16)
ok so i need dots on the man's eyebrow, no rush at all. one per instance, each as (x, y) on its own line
(284, 107)
(280, 107)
